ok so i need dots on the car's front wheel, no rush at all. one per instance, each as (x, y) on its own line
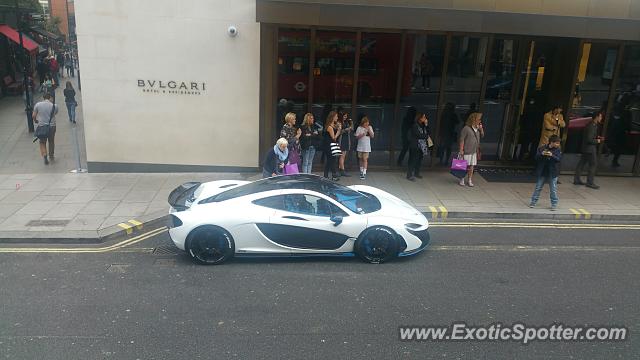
(377, 245)
(210, 245)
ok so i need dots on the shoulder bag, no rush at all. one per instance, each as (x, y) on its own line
(42, 131)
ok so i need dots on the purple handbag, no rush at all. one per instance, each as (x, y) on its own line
(459, 164)
(291, 168)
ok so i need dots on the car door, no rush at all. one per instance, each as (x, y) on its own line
(310, 224)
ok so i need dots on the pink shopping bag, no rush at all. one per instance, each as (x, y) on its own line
(291, 168)
(459, 168)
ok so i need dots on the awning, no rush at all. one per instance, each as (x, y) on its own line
(45, 33)
(12, 34)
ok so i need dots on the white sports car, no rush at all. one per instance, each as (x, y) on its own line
(292, 215)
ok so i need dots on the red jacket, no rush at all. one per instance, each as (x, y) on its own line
(53, 65)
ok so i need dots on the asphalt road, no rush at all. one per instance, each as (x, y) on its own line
(132, 303)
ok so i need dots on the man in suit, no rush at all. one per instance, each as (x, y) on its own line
(590, 142)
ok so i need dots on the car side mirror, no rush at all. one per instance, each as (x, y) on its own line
(336, 220)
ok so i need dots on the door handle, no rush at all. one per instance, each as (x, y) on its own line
(294, 218)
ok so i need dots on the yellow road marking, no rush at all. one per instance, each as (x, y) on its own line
(434, 212)
(74, 250)
(577, 213)
(541, 248)
(444, 212)
(587, 215)
(128, 228)
(537, 225)
(137, 223)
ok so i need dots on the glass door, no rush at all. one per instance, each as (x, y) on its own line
(498, 97)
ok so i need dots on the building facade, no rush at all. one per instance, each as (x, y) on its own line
(166, 87)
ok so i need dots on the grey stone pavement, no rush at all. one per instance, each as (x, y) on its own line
(81, 205)
(38, 201)
(20, 155)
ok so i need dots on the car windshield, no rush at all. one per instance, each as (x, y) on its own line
(357, 202)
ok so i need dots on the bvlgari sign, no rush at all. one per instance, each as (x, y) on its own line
(172, 87)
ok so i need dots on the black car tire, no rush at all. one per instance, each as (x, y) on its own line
(210, 245)
(376, 245)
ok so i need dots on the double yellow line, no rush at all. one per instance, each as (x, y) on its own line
(82, 250)
(580, 212)
(593, 226)
(438, 210)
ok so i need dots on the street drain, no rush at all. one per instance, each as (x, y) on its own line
(166, 250)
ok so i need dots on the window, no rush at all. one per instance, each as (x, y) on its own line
(301, 204)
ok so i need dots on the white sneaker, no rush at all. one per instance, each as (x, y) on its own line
(461, 183)
(470, 183)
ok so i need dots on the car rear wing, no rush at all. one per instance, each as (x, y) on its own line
(181, 197)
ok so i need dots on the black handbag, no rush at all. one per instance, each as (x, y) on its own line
(42, 131)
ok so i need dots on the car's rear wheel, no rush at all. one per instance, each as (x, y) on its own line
(210, 245)
(377, 245)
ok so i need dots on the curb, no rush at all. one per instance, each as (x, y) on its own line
(129, 229)
(439, 214)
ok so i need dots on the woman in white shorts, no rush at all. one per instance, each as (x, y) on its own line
(470, 137)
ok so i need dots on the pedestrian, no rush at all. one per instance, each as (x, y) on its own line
(60, 59)
(344, 140)
(309, 142)
(418, 146)
(44, 113)
(590, 142)
(448, 134)
(292, 135)
(470, 136)
(364, 134)
(276, 158)
(68, 63)
(47, 86)
(332, 129)
(551, 125)
(53, 70)
(70, 101)
(547, 170)
(407, 123)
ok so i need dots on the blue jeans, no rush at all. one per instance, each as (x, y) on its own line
(553, 187)
(71, 109)
(307, 159)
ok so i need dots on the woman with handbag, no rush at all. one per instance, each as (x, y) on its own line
(310, 142)
(292, 135)
(469, 147)
(331, 148)
(276, 159)
(419, 141)
(44, 116)
(344, 140)
(70, 101)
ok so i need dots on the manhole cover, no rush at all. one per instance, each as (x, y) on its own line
(166, 250)
(48, 222)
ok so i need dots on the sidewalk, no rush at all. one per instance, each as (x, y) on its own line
(90, 206)
(20, 155)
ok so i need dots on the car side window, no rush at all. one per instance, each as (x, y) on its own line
(273, 202)
(311, 205)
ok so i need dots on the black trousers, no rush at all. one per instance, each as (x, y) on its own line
(591, 160)
(330, 164)
(403, 152)
(415, 162)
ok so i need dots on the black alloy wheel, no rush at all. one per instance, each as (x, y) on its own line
(377, 245)
(210, 245)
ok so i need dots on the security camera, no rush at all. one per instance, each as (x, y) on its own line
(232, 31)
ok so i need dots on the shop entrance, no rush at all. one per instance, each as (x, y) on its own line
(545, 76)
